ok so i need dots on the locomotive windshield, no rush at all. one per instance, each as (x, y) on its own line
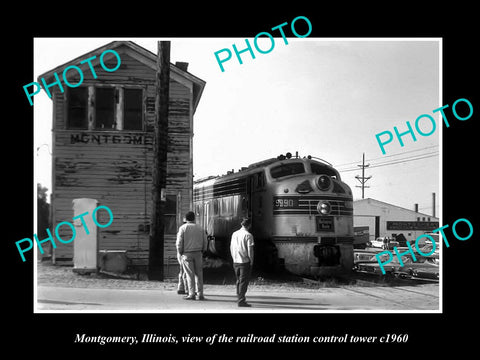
(287, 169)
(321, 169)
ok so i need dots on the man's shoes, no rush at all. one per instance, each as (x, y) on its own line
(181, 292)
(190, 297)
(244, 304)
(200, 297)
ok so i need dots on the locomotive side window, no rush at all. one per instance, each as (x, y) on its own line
(321, 169)
(259, 180)
(244, 206)
(286, 170)
(226, 206)
(197, 210)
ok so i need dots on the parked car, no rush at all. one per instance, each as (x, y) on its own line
(384, 242)
(426, 242)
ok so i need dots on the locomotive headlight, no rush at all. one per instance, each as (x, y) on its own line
(324, 207)
(324, 182)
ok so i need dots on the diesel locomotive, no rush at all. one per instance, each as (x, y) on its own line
(301, 211)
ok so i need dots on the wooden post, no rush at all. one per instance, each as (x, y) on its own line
(159, 170)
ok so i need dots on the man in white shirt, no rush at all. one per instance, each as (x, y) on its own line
(241, 248)
(191, 244)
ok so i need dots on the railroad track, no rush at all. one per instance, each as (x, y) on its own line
(401, 297)
(389, 291)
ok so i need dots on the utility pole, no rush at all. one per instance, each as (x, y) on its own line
(362, 178)
(159, 169)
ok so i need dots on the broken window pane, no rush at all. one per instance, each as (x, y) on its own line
(133, 101)
(77, 108)
(104, 108)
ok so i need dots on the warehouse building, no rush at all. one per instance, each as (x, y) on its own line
(383, 219)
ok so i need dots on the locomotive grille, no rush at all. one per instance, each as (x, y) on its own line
(288, 205)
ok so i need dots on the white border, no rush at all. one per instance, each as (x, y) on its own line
(253, 311)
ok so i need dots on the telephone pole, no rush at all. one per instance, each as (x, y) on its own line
(362, 178)
(159, 172)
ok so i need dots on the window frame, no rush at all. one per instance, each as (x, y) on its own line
(170, 215)
(285, 166)
(115, 99)
(68, 102)
(142, 109)
(90, 122)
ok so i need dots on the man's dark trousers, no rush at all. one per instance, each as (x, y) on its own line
(242, 272)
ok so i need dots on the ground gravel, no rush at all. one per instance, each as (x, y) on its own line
(64, 276)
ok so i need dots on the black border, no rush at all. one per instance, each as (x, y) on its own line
(428, 333)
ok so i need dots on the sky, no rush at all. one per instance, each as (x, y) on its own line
(322, 97)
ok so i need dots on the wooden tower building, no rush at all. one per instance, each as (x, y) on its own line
(102, 149)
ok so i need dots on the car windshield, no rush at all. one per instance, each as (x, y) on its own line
(287, 169)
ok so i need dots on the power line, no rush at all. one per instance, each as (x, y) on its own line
(397, 161)
(388, 156)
